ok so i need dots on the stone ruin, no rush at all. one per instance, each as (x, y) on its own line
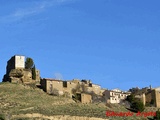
(16, 72)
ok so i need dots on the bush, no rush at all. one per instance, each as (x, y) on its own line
(138, 106)
(29, 63)
(157, 117)
(136, 103)
(130, 98)
(2, 117)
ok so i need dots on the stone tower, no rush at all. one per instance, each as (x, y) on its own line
(16, 62)
(16, 72)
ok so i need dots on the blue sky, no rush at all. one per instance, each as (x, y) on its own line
(114, 43)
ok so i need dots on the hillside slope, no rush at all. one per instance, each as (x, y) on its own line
(19, 101)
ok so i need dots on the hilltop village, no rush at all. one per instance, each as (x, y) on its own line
(82, 90)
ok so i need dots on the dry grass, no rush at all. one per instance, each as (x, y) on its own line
(19, 99)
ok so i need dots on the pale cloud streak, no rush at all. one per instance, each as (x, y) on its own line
(58, 76)
(35, 9)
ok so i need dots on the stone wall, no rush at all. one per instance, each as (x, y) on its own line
(37, 116)
(71, 87)
(37, 75)
(149, 96)
(10, 65)
(59, 87)
(86, 98)
(52, 86)
(153, 95)
(19, 62)
(96, 89)
(157, 95)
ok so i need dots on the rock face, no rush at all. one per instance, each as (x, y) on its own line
(18, 76)
(18, 73)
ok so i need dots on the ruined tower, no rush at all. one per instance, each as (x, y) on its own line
(16, 62)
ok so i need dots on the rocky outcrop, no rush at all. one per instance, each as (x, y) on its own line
(18, 76)
(18, 73)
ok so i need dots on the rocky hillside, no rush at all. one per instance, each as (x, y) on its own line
(23, 102)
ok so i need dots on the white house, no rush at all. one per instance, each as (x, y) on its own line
(115, 95)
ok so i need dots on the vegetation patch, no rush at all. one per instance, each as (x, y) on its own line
(16, 99)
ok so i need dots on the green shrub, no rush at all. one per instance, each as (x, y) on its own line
(157, 117)
(138, 106)
(2, 117)
(130, 98)
(136, 103)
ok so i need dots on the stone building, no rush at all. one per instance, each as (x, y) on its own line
(16, 62)
(52, 86)
(84, 98)
(115, 95)
(70, 87)
(150, 97)
(58, 87)
(155, 97)
(16, 72)
(94, 88)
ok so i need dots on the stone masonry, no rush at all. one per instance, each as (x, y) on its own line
(16, 72)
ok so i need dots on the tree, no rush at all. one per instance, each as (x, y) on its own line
(136, 103)
(29, 64)
(130, 98)
(138, 106)
(34, 73)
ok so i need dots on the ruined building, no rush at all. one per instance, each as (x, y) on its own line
(149, 97)
(60, 87)
(16, 72)
(84, 88)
